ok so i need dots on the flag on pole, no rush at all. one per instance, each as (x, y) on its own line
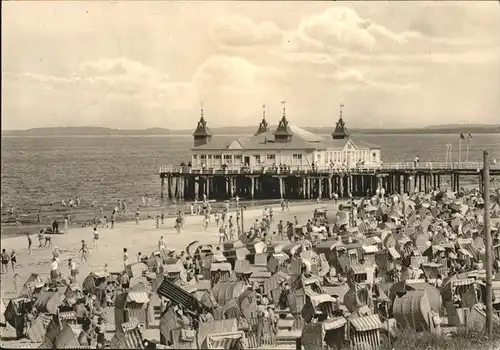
(470, 137)
(462, 136)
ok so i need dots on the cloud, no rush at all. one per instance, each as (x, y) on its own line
(241, 56)
(122, 67)
(240, 31)
(221, 71)
(342, 26)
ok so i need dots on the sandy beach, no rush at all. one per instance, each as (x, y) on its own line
(136, 238)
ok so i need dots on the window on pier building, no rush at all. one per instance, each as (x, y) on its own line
(217, 159)
(228, 159)
(297, 159)
(270, 159)
(238, 159)
(374, 156)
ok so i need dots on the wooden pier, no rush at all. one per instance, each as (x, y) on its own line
(304, 182)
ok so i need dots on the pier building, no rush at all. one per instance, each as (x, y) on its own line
(286, 145)
(292, 163)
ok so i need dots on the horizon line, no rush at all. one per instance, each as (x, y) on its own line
(248, 126)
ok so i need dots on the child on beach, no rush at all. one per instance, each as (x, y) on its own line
(48, 241)
(15, 278)
(29, 243)
(162, 244)
(84, 250)
(95, 241)
(157, 221)
(40, 239)
(5, 260)
(162, 217)
(137, 217)
(125, 258)
(13, 260)
(73, 272)
(205, 223)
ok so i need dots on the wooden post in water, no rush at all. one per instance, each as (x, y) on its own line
(488, 244)
(162, 188)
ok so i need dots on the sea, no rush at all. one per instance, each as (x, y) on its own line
(104, 169)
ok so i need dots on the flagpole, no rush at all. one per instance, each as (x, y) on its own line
(459, 149)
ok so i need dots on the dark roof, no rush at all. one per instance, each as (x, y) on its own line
(283, 128)
(263, 126)
(340, 131)
(301, 140)
(202, 128)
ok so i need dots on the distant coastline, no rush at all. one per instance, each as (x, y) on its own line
(244, 130)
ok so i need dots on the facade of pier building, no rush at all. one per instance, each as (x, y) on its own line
(284, 146)
(292, 163)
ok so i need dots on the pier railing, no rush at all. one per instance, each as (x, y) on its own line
(305, 169)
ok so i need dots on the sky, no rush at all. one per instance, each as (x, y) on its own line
(133, 65)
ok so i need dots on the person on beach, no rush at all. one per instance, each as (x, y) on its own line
(39, 217)
(48, 241)
(5, 261)
(205, 223)
(56, 253)
(113, 219)
(73, 272)
(157, 219)
(84, 250)
(54, 270)
(137, 215)
(66, 225)
(104, 222)
(125, 258)
(222, 234)
(55, 227)
(271, 213)
(162, 244)
(139, 257)
(13, 260)
(282, 205)
(287, 205)
(280, 229)
(29, 243)
(217, 218)
(178, 222)
(95, 240)
(162, 217)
